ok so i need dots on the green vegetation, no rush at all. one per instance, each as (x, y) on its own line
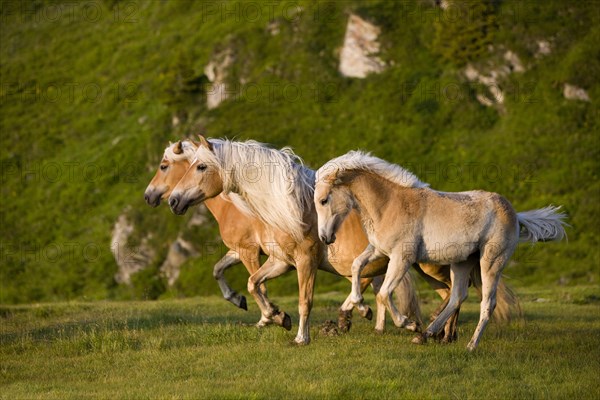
(203, 348)
(88, 92)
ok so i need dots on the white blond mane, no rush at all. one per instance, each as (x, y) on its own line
(273, 183)
(359, 160)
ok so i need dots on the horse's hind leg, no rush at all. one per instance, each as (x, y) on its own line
(491, 270)
(369, 255)
(460, 283)
(272, 268)
(228, 260)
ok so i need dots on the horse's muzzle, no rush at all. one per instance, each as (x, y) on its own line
(152, 199)
(177, 205)
(327, 240)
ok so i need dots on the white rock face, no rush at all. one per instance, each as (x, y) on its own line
(544, 48)
(514, 62)
(179, 251)
(216, 72)
(130, 259)
(496, 96)
(358, 55)
(572, 92)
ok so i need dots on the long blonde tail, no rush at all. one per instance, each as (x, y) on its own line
(542, 224)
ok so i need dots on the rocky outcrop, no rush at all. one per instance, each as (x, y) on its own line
(216, 72)
(494, 94)
(130, 259)
(572, 92)
(179, 252)
(358, 56)
(544, 48)
(491, 80)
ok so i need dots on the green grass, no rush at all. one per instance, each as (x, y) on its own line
(205, 348)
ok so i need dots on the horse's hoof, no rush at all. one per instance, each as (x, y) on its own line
(366, 313)
(412, 326)
(419, 339)
(283, 320)
(260, 324)
(379, 331)
(446, 340)
(301, 342)
(344, 325)
(243, 304)
(287, 322)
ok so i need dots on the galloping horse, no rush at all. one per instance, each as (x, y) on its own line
(276, 194)
(408, 222)
(247, 238)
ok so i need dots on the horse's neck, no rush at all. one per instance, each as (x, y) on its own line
(371, 194)
(217, 206)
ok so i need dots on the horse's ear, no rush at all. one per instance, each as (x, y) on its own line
(333, 178)
(204, 142)
(178, 149)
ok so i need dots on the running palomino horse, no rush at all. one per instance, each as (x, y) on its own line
(221, 165)
(247, 238)
(408, 222)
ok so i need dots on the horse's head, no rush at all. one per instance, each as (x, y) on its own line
(333, 202)
(174, 163)
(201, 181)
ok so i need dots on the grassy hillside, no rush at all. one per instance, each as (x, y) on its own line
(88, 91)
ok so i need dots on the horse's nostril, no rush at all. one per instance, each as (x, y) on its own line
(147, 198)
(173, 202)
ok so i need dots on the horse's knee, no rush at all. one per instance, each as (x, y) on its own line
(382, 297)
(251, 286)
(356, 298)
(217, 274)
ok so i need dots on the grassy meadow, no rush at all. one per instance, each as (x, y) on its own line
(206, 348)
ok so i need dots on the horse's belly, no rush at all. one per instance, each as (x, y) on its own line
(447, 252)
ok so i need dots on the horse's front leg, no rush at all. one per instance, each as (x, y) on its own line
(370, 254)
(272, 268)
(345, 312)
(307, 271)
(397, 268)
(228, 260)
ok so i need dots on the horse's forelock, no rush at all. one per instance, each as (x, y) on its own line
(188, 148)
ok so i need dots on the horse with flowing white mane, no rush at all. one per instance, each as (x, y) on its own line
(247, 238)
(408, 222)
(279, 191)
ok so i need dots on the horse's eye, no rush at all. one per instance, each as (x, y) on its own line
(324, 201)
(163, 167)
(201, 167)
